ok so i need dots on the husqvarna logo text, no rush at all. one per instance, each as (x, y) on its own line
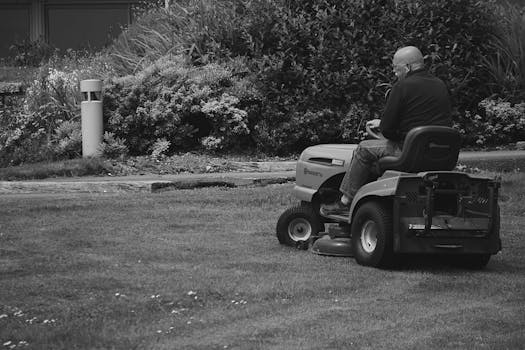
(313, 173)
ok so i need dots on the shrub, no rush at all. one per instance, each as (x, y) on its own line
(112, 146)
(178, 102)
(22, 139)
(301, 130)
(143, 6)
(67, 140)
(160, 148)
(204, 30)
(278, 75)
(28, 133)
(144, 42)
(499, 122)
(456, 36)
(334, 54)
(310, 57)
(227, 122)
(331, 55)
(31, 53)
(506, 63)
(45, 126)
(50, 100)
(353, 123)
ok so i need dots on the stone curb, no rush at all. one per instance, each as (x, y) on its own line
(149, 186)
(265, 173)
(187, 185)
(20, 187)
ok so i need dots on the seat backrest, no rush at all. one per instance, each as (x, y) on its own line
(426, 148)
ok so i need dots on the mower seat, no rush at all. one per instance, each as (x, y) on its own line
(426, 148)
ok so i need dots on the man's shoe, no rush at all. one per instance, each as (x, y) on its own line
(336, 208)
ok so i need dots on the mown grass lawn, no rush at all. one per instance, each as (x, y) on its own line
(202, 269)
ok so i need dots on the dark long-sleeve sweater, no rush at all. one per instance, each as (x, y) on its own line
(419, 99)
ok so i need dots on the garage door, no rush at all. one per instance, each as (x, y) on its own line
(84, 26)
(14, 26)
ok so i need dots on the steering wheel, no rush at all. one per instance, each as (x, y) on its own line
(372, 129)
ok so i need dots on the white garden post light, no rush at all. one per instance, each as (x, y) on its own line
(91, 114)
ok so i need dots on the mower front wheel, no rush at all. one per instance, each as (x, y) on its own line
(298, 224)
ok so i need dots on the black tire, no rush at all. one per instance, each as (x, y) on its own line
(298, 224)
(372, 227)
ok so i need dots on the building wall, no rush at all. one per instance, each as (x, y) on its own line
(81, 26)
(15, 20)
(62, 23)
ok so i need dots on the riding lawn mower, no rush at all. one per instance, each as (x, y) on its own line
(419, 205)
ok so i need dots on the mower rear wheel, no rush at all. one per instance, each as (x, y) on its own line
(372, 234)
(298, 224)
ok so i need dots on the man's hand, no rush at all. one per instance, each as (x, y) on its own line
(372, 129)
(373, 124)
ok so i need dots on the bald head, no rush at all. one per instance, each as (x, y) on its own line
(406, 59)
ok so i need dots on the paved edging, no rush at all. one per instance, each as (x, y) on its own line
(264, 173)
(117, 185)
(12, 187)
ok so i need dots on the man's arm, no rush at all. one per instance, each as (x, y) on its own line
(390, 120)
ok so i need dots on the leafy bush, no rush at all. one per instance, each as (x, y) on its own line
(142, 6)
(45, 126)
(506, 63)
(499, 122)
(276, 75)
(178, 102)
(31, 53)
(67, 140)
(144, 42)
(332, 55)
(49, 101)
(302, 129)
(160, 148)
(310, 57)
(112, 146)
(226, 120)
(456, 35)
(204, 30)
(13, 136)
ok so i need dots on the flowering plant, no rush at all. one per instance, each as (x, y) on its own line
(228, 122)
(185, 105)
(499, 122)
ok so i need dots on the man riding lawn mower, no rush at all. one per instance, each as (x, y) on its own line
(398, 194)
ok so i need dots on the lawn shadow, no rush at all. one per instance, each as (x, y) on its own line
(436, 263)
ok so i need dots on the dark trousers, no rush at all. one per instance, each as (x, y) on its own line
(363, 167)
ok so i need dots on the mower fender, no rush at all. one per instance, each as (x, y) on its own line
(303, 193)
(383, 187)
